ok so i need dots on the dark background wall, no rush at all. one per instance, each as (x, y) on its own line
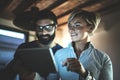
(107, 38)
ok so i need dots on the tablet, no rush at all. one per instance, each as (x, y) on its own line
(40, 60)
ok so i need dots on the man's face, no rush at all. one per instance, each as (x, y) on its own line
(45, 31)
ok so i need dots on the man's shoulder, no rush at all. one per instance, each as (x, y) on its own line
(56, 48)
(31, 44)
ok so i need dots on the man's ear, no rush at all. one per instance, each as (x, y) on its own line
(56, 25)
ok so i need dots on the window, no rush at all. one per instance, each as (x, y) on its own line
(10, 39)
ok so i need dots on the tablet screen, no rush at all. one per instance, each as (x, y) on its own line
(40, 60)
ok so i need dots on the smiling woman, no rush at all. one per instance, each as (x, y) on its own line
(81, 60)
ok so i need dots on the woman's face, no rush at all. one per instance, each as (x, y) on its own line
(78, 29)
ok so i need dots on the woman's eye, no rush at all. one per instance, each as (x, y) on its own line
(77, 26)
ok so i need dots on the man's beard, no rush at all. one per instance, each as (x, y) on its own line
(45, 41)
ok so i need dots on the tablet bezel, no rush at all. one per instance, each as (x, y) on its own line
(39, 60)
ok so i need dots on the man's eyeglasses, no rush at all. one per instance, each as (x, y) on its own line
(46, 27)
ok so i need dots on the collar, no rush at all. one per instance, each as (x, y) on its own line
(88, 45)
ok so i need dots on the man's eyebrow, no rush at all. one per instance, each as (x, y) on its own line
(44, 25)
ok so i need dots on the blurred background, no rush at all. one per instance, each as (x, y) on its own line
(106, 38)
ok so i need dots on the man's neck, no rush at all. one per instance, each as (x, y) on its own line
(48, 45)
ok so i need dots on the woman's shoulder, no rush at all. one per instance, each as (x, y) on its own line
(97, 52)
(103, 56)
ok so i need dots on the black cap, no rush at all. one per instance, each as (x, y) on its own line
(26, 20)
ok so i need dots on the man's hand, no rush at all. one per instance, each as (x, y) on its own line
(22, 70)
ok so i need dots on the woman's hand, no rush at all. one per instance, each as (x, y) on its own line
(74, 65)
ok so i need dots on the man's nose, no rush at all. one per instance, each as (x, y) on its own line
(44, 32)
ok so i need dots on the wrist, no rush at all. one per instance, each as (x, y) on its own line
(27, 76)
(88, 77)
(84, 74)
